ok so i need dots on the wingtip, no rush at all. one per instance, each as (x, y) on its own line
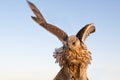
(29, 3)
(91, 24)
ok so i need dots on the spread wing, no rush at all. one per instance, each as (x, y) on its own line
(49, 27)
(85, 32)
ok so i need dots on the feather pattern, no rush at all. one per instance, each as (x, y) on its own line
(73, 57)
(49, 27)
(73, 63)
(85, 32)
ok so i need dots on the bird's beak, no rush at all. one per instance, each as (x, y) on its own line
(65, 46)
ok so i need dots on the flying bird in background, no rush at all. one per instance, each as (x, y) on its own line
(73, 57)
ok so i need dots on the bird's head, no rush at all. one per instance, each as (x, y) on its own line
(73, 42)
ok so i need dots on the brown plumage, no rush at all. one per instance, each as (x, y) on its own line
(73, 57)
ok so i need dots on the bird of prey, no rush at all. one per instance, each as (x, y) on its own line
(73, 57)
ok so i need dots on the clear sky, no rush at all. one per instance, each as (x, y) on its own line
(26, 49)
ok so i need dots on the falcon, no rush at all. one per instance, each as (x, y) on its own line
(73, 57)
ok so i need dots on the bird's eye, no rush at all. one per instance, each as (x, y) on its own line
(73, 43)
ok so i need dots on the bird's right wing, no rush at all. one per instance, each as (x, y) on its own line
(49, 27)
(85, 32)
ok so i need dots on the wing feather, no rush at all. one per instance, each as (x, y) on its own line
(85, 32)
(49, 27)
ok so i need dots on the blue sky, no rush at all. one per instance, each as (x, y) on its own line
(26, 49)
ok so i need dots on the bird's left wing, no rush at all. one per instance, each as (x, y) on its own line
(85, 32)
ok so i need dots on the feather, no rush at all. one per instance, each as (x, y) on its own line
(72, 58)
(85, 32)
(49, 27)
